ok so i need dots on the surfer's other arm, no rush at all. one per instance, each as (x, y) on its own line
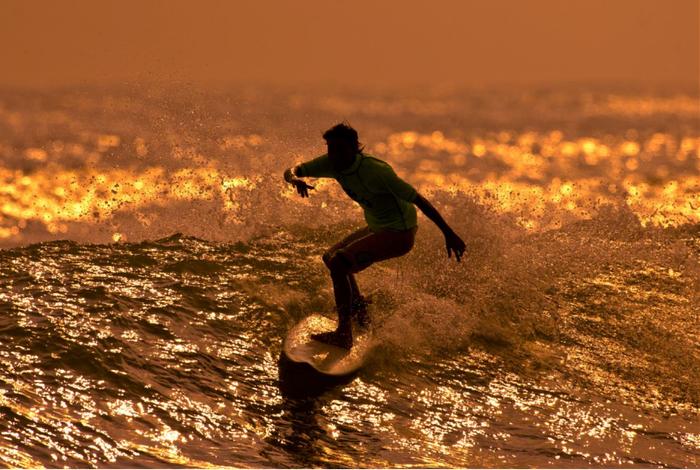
(452, 240)
(301, 187)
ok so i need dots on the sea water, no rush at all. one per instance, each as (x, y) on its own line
(153, 260)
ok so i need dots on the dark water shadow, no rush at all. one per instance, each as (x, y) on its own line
(304, 393)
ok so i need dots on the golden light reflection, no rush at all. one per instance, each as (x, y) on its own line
(645, 106)
(169, 453)
(55, 196)
(522, 173)
(543, 178)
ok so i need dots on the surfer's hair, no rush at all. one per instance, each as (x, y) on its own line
(345, 132)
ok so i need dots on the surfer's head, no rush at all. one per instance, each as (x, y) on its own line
(343, 145)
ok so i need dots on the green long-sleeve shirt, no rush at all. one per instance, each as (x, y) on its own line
(386, 199)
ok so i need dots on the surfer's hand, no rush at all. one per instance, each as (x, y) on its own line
(454, 244)
(301, 187)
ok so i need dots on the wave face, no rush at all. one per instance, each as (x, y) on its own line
(153, 261)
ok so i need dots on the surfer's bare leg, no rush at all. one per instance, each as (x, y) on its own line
(358, 304)
(342, 289)
(354, 288)
(357, 298)
(341, 276)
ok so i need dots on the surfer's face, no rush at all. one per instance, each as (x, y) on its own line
(341, 153)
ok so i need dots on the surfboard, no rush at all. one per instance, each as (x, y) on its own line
(325, 358)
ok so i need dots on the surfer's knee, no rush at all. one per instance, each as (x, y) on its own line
(327, 258)
(339, 263)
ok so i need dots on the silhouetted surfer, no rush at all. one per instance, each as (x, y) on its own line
(387, 202)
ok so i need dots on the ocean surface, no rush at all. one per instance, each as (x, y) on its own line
(153, 260)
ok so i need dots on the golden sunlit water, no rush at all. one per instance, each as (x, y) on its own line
(545, 174)
(153, 261)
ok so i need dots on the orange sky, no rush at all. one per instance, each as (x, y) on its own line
(396, 42)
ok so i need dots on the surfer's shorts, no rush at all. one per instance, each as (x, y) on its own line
(360, 249)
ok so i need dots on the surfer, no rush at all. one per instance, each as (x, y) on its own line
(388, 204)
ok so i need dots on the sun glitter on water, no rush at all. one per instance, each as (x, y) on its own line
(543, 176)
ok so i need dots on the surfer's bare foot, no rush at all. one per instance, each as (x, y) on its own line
(334, 338)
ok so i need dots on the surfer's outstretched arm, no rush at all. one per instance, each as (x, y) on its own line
(301, 187)
(452, 240)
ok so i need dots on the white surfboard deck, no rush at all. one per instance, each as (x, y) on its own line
(326, 358)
